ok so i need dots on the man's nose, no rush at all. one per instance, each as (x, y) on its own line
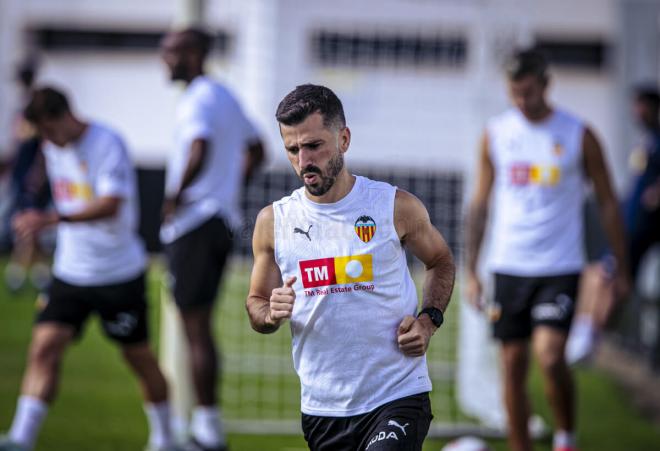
(305, 158)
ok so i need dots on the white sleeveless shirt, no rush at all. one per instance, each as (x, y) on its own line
(538, 194)
(353, 290)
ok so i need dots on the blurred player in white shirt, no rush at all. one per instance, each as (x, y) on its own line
(98, 269)
(216, 149)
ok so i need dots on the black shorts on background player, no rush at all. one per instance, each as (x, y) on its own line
(122, 308)
(399, 425)
(196, 262)
(526, 302)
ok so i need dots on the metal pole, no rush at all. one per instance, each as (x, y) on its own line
(189, 13)
(174, 358)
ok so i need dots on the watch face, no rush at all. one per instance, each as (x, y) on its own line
(436, 318)
(436, 315)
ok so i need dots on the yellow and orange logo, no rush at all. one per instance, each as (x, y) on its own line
(67, 190)
(522, 174)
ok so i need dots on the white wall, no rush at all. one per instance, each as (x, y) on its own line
(419, 118)
(138, 103)
(406, 117)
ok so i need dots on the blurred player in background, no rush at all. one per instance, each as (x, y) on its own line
(98, 269)
(216, 149)
(534, 160)
(642, 217)
(29, 188)
(643, 206)
(331, 258)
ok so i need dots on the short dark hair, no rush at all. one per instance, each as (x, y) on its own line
(648, 94)
(527, 62)
(198, 38)
(308, 99)
(46, 103)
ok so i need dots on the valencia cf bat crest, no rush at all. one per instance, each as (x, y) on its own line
(365, 228)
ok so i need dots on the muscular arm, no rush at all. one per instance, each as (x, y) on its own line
(596, 170)
(266, 279)
(477, 217)
(103, 207)
(478, 209)
(196, 160)
(255, 158)
(194, 165)
(32, 221)
(425, 242)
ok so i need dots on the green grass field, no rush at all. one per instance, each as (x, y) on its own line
(99, 406)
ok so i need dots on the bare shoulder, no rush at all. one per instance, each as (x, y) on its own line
(409, 213)
(407, 203)
(264, 232)
(266, 215)
(592, 152)
(590, 141)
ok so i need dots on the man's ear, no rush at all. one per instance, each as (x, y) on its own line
(344, 139)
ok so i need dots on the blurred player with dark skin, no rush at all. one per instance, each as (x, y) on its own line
(98, 269)
(30, 189)
(216, 149)
(330, 259)
(643, 206)
(534, 161)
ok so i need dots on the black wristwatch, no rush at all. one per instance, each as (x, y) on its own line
(436, 315)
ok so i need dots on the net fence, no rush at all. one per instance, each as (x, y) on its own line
(260, 390)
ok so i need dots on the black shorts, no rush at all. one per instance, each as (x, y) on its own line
(398, 425)
(526, 302)
(196, 261)
(121, 307)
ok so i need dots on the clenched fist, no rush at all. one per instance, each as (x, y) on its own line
(281, 302)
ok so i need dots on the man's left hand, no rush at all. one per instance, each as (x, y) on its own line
(170, 205)
(30, 222)
(414, 334)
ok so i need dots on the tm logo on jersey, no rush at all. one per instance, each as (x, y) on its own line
(66, 190)
(522, 174)
(324, 272)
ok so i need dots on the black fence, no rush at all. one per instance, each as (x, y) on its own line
(441, 192)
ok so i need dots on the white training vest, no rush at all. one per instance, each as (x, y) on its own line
(353, 290)
(538, 195)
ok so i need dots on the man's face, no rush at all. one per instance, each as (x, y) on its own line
(316, 152)
(55, 130)
(644, 113)
(528, 95)
(180, 56)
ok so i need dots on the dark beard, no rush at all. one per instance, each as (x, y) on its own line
(335, 165)
(179, 73)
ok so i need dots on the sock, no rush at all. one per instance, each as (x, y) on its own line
(15, 276)
(206, 426)
(30, 414)
(40, 276)
(563, 439)
(582, 340)
(158, 415)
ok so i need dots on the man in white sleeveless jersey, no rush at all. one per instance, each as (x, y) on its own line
(330, 258)
(534, 161)
(98, 269)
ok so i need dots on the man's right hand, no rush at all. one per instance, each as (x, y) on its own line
(474, 291)
(170, 205)
(281, 302)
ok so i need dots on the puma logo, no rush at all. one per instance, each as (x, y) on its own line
(395, 424)
(302, 232)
